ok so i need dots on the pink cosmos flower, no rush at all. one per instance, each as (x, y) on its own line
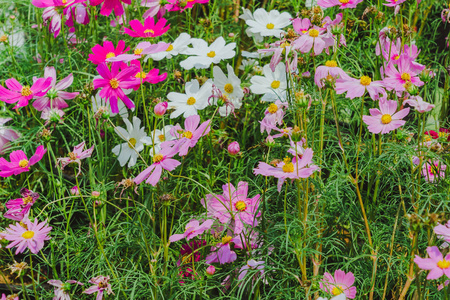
(191, 134)
(443, 231)
(143, 48)
(317, 38)
(150, 77)
(357, 87)
(340, 283)
(62, 290)
(437, 264)
(341, 3)
(301, 26)
(175, 5)
(278, 48)
(101, 53)
(296, 148)
(385, 119)
(22, 94)
(113, 82)
(6, 135)
(10, 297)
(155, 8)
(77, 12)
(101, 284)
(252, 265)
(329, 72)
(396, 79)
(161, 160)
(19, 162)
(18, 209)
(287, 169)
(189, 254)
(110, 5)
(75, 157)
(432, 171)
(394, 3)
(418, 103)
(148, 29)
(233, 205)
(222, 252)
(55, 96)
(192, 229)
(32, 236)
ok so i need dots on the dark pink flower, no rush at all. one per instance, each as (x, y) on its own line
(18, 209)
(101, 53)
(22, 94)
(175, 5)
(19, 162)
(340, 283)
(234, 148)
(148, 29)
(150, 77)
(397, 78)
(110, 5)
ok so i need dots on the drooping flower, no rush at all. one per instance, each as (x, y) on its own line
(433, 170)
(385, 119)
(19, 162)
(272, 85)
(179, 46)
(340, 283)
(100, 285)
(55, 96)
(148, 29)
(113, 82)
(6, 135)
(62, 290)
(202, 55)
(222, 252)
(192, 229)
(155, 7)
(101, 53)
(191, 134)
(341, 3)
(357, 87)
(18, 209)
(194, 99)
(253, 265)
(436, 263)
(273, 116)
(268, 23)
(32, 235)
(75, 156)
(22, 94)
(226, 104)
(135, 137)
(443, 231)
(77, 12)
(418, 103)
(329, 72)
(110, 5)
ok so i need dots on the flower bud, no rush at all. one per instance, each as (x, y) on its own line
(75, 191)
(270, 142)
(161, 108)
(426, 75)
(95, 194)
(234, 148)
(411, 88)
(210, 270)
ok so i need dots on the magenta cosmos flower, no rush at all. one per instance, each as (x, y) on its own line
(418, 104)
(357, 87)
(76, 156)
(437, 264)
(101, 53)
(110, 5)
(19, 162)
(385, 119)
(113, 82)
(6, 135)
(398, 78)
(151, 76)
(433, 170)
(161, 160)
(287, 169)
(341, 3)
(62, 290)
(190, 135)
(233, 206)
(222, 252)
(443, 231)
(55, 96)
(192, 229)
(329, 72)
(340, 283)
(22, 94)
(32, 236)
(148, 29)
(18, 209)
(101, 284)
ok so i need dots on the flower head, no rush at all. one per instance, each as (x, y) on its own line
(418, 103)
(436, 263)
(19, 162)
(194, 99)
(100, 285)
(357, 87)
(148, 29)
(20, 94)
(62, 290)
(202, 55)
(340, 283)
(192, 229)
(268, 23)
(272, 85)
(18, 209)
(76, 156)
(433, 170)
(191, 134)
(110, 5)
(32, 235)
(102, 53)
(341, 3)
(385, 119)
(443, 231)
(178, 46)
(6, 135)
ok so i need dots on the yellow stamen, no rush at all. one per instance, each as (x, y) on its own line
(157, 158)
(72, 156)
(288, 166)
(344, 1)
(149, 31)
(3, 38)
(26, 91)
(138, 51)
(272, 108)
(23, 163)
(170, 48)
(365, 80)
(226, 239)
(313, 33)
(187, 134)
(161, 137)
(211, 54)
(443, 264)
(114, 83)
(337, 290)
(386, 119)
(240, 205)
(27, 200)
(141, 75)
(331, 63)
(275, 84)
(191, 101)
(270, 26)
(396, 57)
(228, 88)
(132, 142)
(406, 77)
(110, 54)
(28, 234)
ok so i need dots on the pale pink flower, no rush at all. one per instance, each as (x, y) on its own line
(315, 39)
(76, 156)
(273, 116)
(418, 103)
(32, 236)
(341, 3)
(222, 253)
(329, 71)
(397, 78)
(6, 135)
(191, 134)
(62, 290)
(100, 285)
(357, 87)
(340, 283)
(192, 229)
(395, 4)
(385, 119)
(437, 264)
(443, 231)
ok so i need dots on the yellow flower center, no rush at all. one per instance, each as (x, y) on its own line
(23, 163)
(110, 54)
(28, 234)
(138, 51)
(149, 31)
(240, 205)
(226, 239)
(187, 134)
(211, 54)
(443, 134)
(344, 1)
(3, 38)
(161, 137)
(170, 48)
(396, 57)
(433, 170)
(270, 26)
(331, 63)
(313, 33)
(337, 290)
(427, 138)
(288, 166)
(284, 45)
(275, 84)
(132, 142)
(72, 156)
(228, 88)
(64, 1)
(26, 91)
(272, 108)
(191, 101)
(141, 75)
(386, 119)
(157, 158)
(186, 259)
(114, 83)
(27, 200)
(443, 264)
(406, 77)
(365, 80)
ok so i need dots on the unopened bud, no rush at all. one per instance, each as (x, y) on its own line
(160, 108)
(234, 148)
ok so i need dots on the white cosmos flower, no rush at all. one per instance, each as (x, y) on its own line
(272, 84)
(203, 55)
(229, 86)
(133, 135)
(194, 99)
(179, 46)
(247, 15)
(100, 105)
(157, 137)
(268, 23)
